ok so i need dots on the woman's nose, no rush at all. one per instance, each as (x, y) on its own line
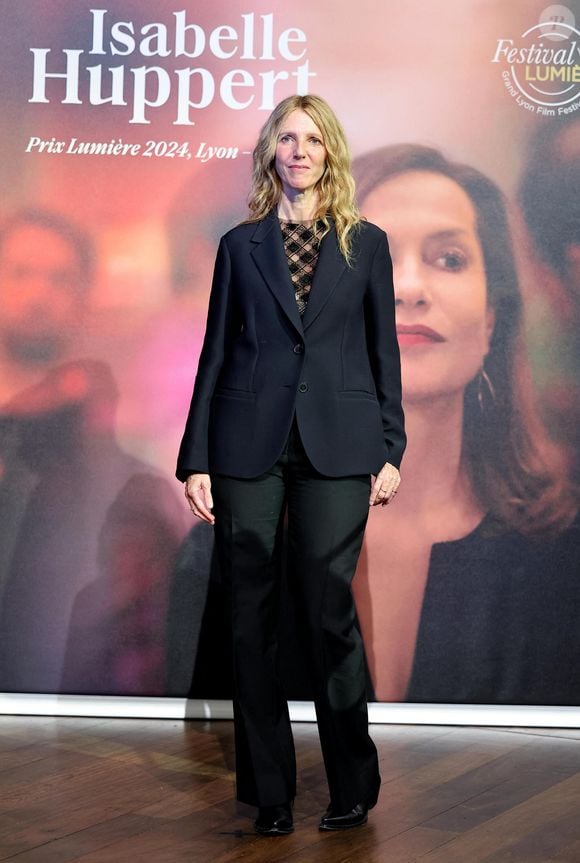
(299, 149)
(411, 288)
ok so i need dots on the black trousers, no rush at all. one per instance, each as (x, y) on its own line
(326, 521)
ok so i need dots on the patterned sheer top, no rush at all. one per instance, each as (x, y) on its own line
(301, 244)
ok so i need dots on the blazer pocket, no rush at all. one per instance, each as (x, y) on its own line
(229, 393)
(358, 394)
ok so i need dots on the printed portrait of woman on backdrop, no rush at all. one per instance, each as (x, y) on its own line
(469, 591)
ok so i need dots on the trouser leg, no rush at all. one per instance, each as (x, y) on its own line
(326, 522)
(249, 518)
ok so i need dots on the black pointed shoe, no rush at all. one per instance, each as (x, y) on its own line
(336, 820)
(274, 820)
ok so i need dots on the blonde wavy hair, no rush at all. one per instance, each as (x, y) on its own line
(335, 188)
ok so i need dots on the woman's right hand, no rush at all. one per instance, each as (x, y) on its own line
(198, 494)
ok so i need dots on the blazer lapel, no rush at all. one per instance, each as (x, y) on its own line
(330, 267)
(270, 258)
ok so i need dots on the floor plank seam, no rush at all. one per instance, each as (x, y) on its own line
(73, 833)
(523, 732)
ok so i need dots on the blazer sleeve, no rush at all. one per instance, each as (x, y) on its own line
(383, 349)
(219, 331)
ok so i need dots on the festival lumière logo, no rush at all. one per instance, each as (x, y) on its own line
(543, 65)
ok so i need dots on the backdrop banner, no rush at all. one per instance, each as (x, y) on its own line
(127, 131)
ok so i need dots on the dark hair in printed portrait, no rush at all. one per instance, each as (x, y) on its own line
(550, 191)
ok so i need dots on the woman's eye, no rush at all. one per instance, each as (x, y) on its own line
(453, 260)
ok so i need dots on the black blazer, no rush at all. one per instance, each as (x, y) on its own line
(337, 368)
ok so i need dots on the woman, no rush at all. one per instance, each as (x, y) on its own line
(480, 596)
(296, 403)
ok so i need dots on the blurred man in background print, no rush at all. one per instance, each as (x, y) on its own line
(550, 198)
(157, 374)
(46, 273)
(75, 510)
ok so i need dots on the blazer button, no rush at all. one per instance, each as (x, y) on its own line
(298, 349)
(303, 387)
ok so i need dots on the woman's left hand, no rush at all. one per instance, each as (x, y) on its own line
(385, 486)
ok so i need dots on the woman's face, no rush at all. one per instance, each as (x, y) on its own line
(300, 153)
(444, 322)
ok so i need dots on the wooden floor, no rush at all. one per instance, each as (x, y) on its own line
(147, 791)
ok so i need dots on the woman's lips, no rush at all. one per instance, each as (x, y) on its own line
(417, 334)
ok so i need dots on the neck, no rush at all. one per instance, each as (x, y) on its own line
(296, 206)
(434, 476)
